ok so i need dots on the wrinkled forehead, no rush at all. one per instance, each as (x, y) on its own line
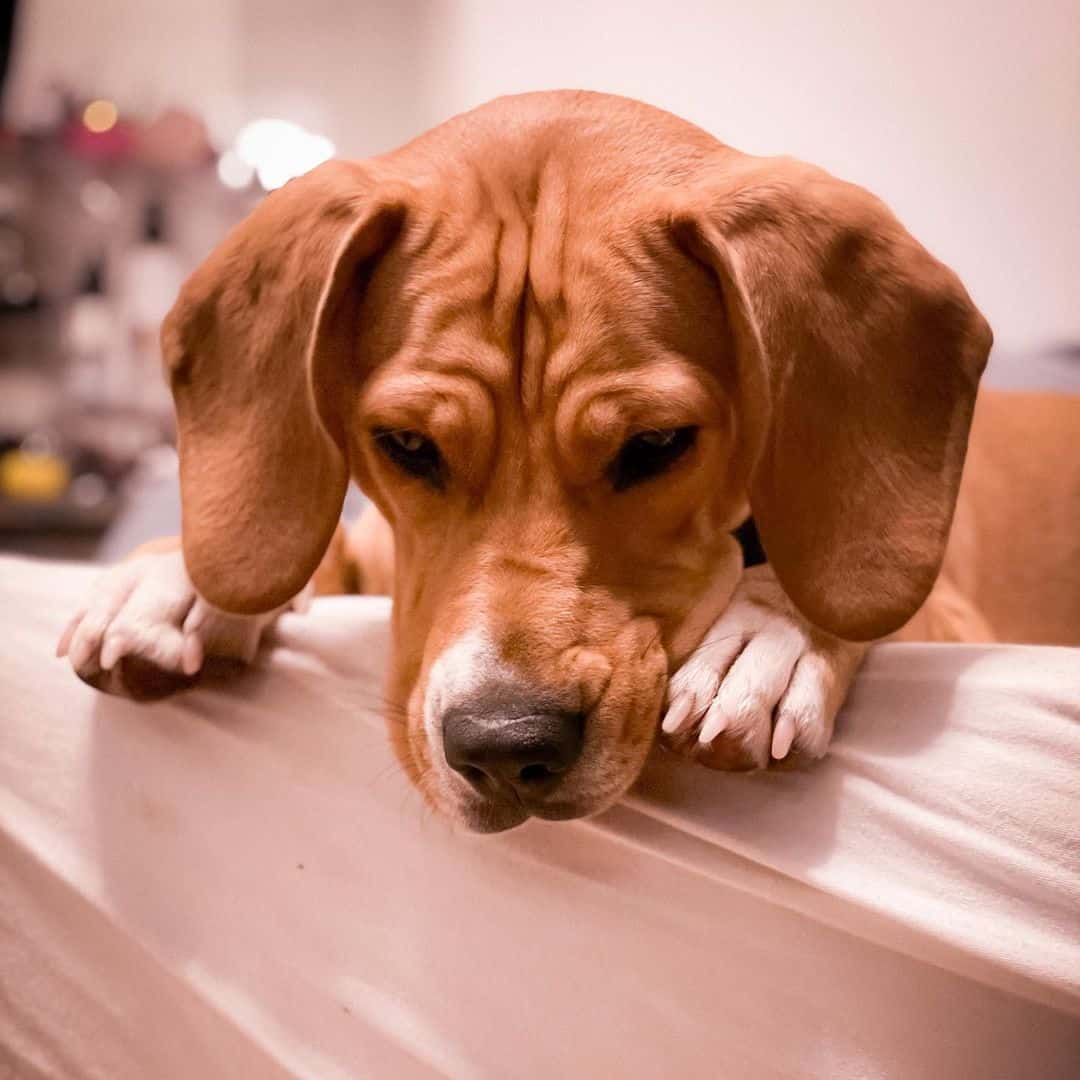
(510, 313)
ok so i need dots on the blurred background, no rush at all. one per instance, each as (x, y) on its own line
(135, 132)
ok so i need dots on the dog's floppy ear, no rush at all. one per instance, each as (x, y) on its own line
(258, 349)
(858, 360)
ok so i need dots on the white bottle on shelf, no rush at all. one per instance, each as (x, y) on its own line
(151, 276)
(96, 373)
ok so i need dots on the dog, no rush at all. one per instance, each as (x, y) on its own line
(567, 343)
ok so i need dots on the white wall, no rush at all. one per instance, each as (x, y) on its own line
(357, 71)
(351, 69)
(963, 114)
(146, 54)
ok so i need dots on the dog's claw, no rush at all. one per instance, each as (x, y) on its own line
(783, 736)
(192, 657)
(677, 715)
(715, 724)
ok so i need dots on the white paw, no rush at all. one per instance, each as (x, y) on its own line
(144, 631)
(762, 683)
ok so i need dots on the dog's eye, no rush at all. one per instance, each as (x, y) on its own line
(412, 452)
(648, 454)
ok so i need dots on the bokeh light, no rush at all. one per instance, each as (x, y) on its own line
(278, 150)
(100, 116)
(233, 171)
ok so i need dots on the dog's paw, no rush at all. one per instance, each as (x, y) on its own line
(762, 684)
(145, 633)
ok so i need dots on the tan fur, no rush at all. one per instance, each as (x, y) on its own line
(1012, 566)
(529, 285)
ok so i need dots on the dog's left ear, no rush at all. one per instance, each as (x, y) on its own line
(858, 358)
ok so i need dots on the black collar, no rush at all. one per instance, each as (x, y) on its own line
(750, 542)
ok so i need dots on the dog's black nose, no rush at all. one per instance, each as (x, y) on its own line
(522, 751)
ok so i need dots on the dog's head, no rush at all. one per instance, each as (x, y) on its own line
(565, 344)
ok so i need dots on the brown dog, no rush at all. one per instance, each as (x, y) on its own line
(565, 343)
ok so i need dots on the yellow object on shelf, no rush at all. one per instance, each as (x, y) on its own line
(33, 477)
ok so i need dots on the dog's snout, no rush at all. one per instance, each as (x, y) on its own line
(523, 752)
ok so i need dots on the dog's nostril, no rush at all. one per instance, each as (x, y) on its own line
(473, 774)
(535, 774)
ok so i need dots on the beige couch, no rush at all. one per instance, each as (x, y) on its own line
(239, 883)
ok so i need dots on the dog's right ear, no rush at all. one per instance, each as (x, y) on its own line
(259, 350)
